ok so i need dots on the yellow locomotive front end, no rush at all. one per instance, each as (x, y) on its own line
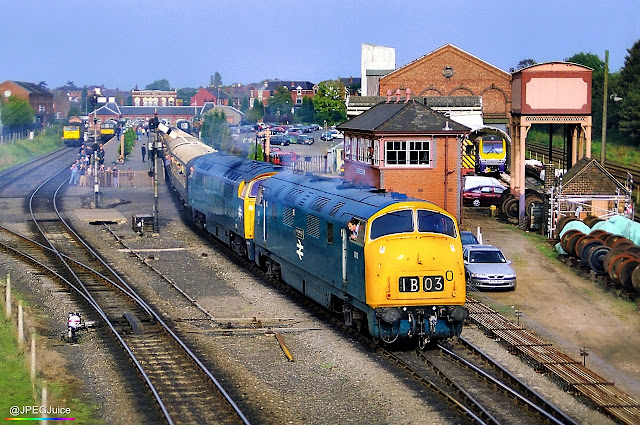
(414, 272)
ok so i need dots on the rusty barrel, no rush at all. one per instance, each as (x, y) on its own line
(625, 272)
(635, 279)
(564, 241)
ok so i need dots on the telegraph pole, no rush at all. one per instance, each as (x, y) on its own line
(96, 184)
(604, 107)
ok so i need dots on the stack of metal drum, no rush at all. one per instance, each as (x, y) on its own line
(604, 252)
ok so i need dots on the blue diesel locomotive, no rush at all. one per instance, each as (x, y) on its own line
(396, 271)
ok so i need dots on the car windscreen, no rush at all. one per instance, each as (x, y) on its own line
(392, 223)
(486, 257)
(435, 222)
(468, 238)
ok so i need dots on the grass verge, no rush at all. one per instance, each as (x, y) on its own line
(20, 151)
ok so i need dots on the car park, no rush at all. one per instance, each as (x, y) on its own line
(305, 140)
(326, 136)
(336, 134)
(484, 195)
(486, 267)
(468, 238)
(278, 140)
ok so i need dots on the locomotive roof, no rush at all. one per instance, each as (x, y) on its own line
(185, 147)
(231, 167)
(330, 197)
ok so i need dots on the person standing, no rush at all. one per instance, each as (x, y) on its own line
(144, 151)
(115, 173)
(74, 174)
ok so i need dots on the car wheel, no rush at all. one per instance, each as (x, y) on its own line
(476, 202)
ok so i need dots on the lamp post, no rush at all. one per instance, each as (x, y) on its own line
(326, 147)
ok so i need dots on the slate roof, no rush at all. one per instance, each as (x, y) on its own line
(32, 88)
(581, 167)
(409, 117)
(290, 84)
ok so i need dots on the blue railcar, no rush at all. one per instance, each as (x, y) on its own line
(221, 194)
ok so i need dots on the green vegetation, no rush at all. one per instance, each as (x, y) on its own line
(15, 383)
(22, 150)
(17, 113)
(328, 103)
(215, 131)
(129, 141)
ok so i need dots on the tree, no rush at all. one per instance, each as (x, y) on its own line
(215, 80)
(280, 103)
(244, 106)
(305, 113)
(159, 85)
(43, 85)
(74, 111)
(329, 104)
(17, 113)
(525, 63)
(186, 94)
(215, 131)
(628, 87)
(83, 99)
(256, 113)
(597, 86)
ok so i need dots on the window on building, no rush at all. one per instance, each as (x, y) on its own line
(40, 108)
(403, 152)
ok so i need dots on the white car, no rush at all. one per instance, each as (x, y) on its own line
(336, 134)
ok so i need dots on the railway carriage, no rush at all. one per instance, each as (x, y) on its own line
(401, 276)
(182, 149)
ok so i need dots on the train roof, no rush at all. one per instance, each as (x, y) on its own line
(185, 147)
(333, 198)
(232, 168)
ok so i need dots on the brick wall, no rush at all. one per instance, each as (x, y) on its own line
(440, 185)
(468, 76)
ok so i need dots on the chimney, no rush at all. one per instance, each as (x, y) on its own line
(408, 95)
(388, 96)
(398, 94)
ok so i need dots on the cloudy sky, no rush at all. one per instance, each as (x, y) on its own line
(124, 43)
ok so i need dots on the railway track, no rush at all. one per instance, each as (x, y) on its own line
(14, 174)
(570, 374)
(185, 391)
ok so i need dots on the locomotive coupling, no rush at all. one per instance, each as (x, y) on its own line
(388, 314)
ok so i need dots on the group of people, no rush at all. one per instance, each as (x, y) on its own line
(82, 169)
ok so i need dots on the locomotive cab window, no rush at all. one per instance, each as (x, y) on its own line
(435, 222)
(392, 223)
(357, 229)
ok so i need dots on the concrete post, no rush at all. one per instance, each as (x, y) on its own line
(33, 356)
(45, 401)
(20, 324)
(7, 309)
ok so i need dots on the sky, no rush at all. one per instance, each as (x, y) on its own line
(128, 43)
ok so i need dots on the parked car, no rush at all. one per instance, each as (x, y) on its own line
(279, 140)
(486, 267)
(315, 127)
(305, 140)
(484, 195)
(326, 136)
(468, 238)
(337, 134)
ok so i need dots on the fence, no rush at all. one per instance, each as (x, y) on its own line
(311, 163)
(18, 135)
(17, 317)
